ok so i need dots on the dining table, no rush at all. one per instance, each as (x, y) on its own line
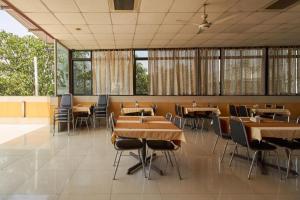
(129, 110)
(81, 109)
(192, 109)
(265, 128)
(147, 128)
(258, 111)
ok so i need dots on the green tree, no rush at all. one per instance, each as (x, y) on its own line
(17, 69)
(142, 80)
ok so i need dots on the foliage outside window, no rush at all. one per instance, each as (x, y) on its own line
(141, 73)
(17, 68)
(82, 76)
(62, 76)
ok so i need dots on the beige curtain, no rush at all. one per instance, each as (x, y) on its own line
(243, 71)
(112, 72)
(172, 72)
(209, 63)
(284, 71)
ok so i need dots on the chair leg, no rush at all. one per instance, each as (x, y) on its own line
(87, 124)
(117, 165)
(288, 163)
(214, 147)
(224, 151)
(53, 127)
(68, 128)
(177, 166)
(277, 162)
(170, 158)
(143, 163)
(252, 163)
(115, 158)
(150, 165)
(232, 154)
(94, 121)
(202, 125)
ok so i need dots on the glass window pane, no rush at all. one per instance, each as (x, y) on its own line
(142, 77)
(82, 71)
(141, 54)
(81, 54)
(62, 79)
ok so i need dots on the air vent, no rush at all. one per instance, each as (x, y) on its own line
(281, 4)
(124, 4)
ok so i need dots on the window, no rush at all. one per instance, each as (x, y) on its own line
(141, 73)
(62, 67)
(82, 73)
(284, 71)
(243, 72)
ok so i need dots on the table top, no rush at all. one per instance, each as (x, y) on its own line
(81, 108)
(127, 110)
(271, 110)
(266, 128)
(188, 109)
(154, 127)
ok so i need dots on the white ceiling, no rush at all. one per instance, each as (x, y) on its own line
(155, 24)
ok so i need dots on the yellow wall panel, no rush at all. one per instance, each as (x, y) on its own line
(10, 109)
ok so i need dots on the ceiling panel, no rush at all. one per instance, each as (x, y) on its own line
(124, 18)
(70, 18)
(155, 5)
(97, 18)
(73, 28)
(123, 36)
(51, 28)
(169, 28)
(104, 37)
(143, 36)
(43, 18)
(101, 29)
(29, 5)
(151, 18)
(123, 28)
(83, 36)
(61, 5)
(93, 5)
(146, 28)
(172, 18)
(186, 5)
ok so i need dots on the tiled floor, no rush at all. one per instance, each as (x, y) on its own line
(79, 166)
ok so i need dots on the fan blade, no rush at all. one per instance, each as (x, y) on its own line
(223, 18)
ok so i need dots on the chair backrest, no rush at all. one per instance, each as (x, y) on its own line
(216, 125)
(243, 111)
(238, 132)
(298, 120)
(169, 116)
(112, 121)
(103, 100)
(281, 117)
(177, 121)
(267, 105)
(154, 107)
(278, 106)
(232, 110)
(66, 101)
(176, 109)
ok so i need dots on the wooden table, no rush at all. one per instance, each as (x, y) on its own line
(266, 128)
(270, 111)
(82, 109)
(191, 109)
(154, 128)
(128, 110)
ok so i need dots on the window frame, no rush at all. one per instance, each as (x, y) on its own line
(72, 71)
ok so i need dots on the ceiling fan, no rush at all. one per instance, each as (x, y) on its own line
(205, 24)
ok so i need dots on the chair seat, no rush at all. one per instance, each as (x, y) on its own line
(259, 145)
(284, 143)
(127, 144)
(160, 145)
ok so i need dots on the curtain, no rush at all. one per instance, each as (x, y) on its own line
(209, 63)
(243, 71)
(112, 72)
(284, 71)
(172, 72)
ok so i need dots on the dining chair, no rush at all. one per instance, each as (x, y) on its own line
(64, 113)
(290, 146)
(100, 110)
(122, 144)
(220, 134)
(243, 111)
(233, 110)
(281, 117)
(268, 105)
(240, 138)
(279, 106)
